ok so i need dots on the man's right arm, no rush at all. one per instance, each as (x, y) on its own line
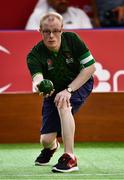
(35, 69)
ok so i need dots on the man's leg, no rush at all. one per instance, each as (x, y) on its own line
(50, 145)
(68, 128)
(67, 162)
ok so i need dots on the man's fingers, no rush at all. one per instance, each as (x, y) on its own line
(62, 103)
(41, 93)
(52, 92)
(46, 95)
(68, 103)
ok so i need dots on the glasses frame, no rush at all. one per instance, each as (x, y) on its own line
(48, 32)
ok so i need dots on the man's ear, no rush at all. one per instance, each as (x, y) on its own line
(62, 28)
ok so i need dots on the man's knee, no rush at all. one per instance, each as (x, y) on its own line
(44, 139)
(47, 139)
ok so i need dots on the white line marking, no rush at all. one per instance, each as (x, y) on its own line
(62, 174)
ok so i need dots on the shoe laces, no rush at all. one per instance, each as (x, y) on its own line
(46, 153)
(64, 159)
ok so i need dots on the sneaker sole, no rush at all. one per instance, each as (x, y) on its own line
(40, 164)
(54, 169)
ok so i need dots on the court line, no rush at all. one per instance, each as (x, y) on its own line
(62, 174)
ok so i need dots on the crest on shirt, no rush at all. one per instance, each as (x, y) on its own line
(69, 59)
(50, 64)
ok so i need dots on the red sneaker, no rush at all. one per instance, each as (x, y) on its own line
(66, 164)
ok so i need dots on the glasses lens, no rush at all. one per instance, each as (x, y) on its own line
(48, 32)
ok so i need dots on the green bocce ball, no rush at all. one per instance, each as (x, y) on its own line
(46, 86)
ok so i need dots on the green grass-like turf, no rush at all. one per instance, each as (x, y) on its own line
(95, 160)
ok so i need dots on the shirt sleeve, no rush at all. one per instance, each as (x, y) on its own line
(33, 64)
(84, 55)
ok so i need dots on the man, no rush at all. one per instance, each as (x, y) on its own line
(65, 60)
(73, 17)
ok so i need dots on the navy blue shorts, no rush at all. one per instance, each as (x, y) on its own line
(50, 116)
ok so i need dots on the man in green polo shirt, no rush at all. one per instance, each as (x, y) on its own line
(63, 58)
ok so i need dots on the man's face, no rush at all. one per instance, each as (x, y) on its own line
(51, 32)
(59, 5)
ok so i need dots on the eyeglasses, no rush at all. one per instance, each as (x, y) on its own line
(47, 32)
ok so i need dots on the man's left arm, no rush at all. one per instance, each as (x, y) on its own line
(82, 77)
(64, 96)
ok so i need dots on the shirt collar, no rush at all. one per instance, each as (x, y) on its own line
(64, 44)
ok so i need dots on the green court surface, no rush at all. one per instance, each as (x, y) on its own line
(95, 160)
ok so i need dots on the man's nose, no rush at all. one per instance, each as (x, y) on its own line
(51, 34)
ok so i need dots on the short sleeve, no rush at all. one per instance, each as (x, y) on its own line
(34, 64)
(84, 55)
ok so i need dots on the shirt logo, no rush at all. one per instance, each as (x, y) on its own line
(68, 58)
(50, 64)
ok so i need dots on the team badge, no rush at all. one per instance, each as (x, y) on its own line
(69, 59)
(50, 64)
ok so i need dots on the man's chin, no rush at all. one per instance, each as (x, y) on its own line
(52, 48)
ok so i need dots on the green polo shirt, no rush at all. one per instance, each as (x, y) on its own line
(61, 67)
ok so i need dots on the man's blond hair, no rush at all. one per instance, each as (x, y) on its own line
(51, 14)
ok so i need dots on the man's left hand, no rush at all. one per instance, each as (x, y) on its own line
(62, 98)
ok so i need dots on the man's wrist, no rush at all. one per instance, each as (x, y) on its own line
(70, 90)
